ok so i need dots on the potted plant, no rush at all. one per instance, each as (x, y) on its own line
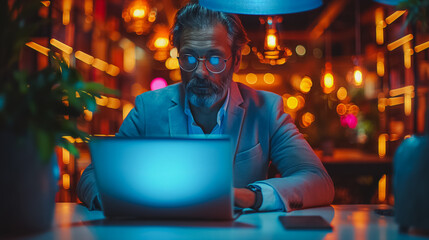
(37, 109)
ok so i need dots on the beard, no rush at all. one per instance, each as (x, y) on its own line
(204, 93)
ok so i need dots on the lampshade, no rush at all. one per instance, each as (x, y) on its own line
(389, 2)
(261, 7)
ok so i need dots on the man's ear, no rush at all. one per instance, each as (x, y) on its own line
(237, 61)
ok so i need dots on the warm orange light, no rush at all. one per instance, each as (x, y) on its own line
(174, 53)
(66, 181)
(172, 63)
(129, 55)
(301, 101)
(408, 52)
(113, 103)
(69, 138)
(292, 102)
(113, 70)
(152, 16)
(137, 89)
(394, 16)
(307, 119)
(382, 102)
(341, 109)
(62, 46)
(353, 109)
(100, 64)
(380, 64)
(175, 75)
(402, 90)
(46, 3)
(161, 42)
(342, 93)
(269, 78)
(328, 80)
(246, 50)
(66, 156)
(87, 115)
(407, 104)
(379, 26)
(41, 49)
(126, 109)
(271, 41)
(86, 58)
(67, 5)
(421, 47)
(300, 50)
(102, 101)
(357, 74)
(382, 189)
(382, 144)
(399, 42)
(139, 13)
(305, 84)
(251, 78)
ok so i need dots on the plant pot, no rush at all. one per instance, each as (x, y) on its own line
(411, 184)
(28, 187)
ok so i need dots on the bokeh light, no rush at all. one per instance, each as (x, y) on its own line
(307, 119)
(342, 93)
(158, 83)
(306, 84)
(269, 78)
(271, 41)
(174, 53)
(357, 77)
(161, 42)
(341, 109)
(292, 102)
(349, 120)
(246, 50)
(251, 78)
(172, 63)
(300, 50)
(328, 80)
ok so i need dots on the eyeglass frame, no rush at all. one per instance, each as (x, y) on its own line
(204, 60)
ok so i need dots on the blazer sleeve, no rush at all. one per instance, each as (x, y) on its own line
(304, 182)
(133, 125)
(87, 190)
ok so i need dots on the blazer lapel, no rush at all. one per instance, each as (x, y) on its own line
(176, 116)
(235, 116)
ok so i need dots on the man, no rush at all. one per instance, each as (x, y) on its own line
(209, 102)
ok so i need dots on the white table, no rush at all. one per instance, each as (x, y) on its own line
(73, 221)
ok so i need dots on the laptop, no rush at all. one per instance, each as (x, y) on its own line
(165, 177)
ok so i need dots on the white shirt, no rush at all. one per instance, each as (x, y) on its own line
(270, 199)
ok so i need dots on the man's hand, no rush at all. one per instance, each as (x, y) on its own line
(244, 197)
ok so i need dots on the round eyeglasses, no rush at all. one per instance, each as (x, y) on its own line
(213, 63)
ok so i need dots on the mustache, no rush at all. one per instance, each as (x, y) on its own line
(201, 82)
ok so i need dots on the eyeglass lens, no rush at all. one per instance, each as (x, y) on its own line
(213, 63)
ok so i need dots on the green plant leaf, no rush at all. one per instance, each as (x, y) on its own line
(64, 143)
(45, 144)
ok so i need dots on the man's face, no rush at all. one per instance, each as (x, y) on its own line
(204, 88)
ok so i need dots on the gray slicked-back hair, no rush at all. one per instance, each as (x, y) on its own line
(195, 16)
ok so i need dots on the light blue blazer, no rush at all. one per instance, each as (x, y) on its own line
(260, 130)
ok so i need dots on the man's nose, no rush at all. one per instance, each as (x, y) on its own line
(201, 69)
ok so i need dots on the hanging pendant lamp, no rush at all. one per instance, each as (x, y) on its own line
(261, 7)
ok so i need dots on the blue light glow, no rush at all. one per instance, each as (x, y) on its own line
(163, 173)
